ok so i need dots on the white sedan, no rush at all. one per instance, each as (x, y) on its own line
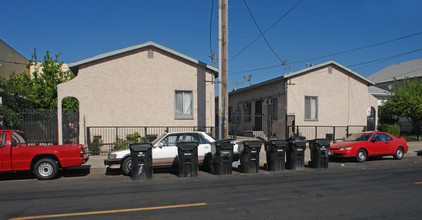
(164, 152)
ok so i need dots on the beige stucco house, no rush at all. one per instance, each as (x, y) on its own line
(315, 99)
(143, 85)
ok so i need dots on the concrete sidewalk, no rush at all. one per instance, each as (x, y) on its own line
(97, 162)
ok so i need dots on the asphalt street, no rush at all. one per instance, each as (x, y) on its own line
(379, 188)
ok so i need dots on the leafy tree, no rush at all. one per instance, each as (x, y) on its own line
(36, 87)
(405, 100)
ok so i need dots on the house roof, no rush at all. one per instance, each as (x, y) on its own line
(304, 71)
(75, 65)
(398, 71)
(378, 91)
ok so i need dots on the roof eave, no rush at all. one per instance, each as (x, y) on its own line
(75, 65)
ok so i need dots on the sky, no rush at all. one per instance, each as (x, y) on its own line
(363, 35)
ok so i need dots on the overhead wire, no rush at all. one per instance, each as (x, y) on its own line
(389, 57)
(278, 20)
(262, 34)
(337, 53)
(359, 48)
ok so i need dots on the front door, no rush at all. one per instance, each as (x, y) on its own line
(258, 115)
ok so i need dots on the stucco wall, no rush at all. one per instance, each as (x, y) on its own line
(343, 99)
(133, 89)
(10, 61)
(261, 93)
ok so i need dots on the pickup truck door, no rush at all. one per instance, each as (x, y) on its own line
(21, 153)
(5, 163)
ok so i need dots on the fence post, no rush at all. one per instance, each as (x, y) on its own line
(334, 134)
(88, 138)
(117, 137)
(146, 135)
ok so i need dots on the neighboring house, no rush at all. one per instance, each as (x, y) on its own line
(143, 85)
(386, 78)
(323, 96)
(11, 61)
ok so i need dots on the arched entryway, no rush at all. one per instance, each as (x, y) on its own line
(370, 123)
(70, 120)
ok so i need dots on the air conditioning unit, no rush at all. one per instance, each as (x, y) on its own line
(269, 102)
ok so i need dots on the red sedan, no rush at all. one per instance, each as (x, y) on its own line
(363, 145)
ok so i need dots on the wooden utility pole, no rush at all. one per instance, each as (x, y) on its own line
(223, 63)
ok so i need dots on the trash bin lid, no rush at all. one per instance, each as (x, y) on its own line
(297, 138)
(187, 145)
(140, 147)
(297, 141)
(252, 144)
(278, 143)
(224, 144)
(322, 142)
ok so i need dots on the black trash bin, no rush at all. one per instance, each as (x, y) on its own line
(319, 153)
(276, 154)
(222, 157)
(249, 157)
(295, 159)
(187, 159)
(141, 161)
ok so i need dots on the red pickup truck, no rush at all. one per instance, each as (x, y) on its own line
(44, 161)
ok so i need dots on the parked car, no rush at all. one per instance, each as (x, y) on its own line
(44, 161)
(367, 144)
(164, 151)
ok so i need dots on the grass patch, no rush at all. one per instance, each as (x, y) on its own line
(410, 138)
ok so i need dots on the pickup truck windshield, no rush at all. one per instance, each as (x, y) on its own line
(18, 138)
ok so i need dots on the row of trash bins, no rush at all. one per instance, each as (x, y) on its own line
(280, 155)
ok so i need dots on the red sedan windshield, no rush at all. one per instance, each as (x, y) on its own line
(359, 137)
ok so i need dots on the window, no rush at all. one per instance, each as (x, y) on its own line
(183, 105)
(272, 109)
(381, 137)
(311, 108)
(3, 140)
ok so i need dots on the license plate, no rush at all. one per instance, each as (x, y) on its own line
(330, 153)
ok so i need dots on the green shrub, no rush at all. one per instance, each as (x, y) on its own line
(94, 146)
(122, 144)
(391, 129)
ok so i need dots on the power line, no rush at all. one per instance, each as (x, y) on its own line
(394, 56)
(359, 48)
(368, 62)
(337, 53)
(5, 61)
(250, 44)
(262, 34)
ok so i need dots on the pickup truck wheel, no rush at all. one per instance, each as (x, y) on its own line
(46, 168)
(127, 166)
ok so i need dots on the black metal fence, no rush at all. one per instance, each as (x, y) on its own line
(334, 133)
(39, 125)
(110, 138)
